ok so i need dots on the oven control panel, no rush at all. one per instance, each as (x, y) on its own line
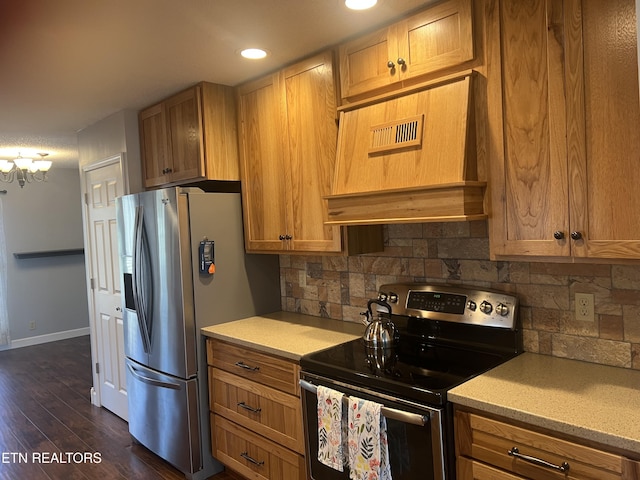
(452, 303)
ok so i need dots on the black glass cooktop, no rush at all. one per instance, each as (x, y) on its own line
(413, 370)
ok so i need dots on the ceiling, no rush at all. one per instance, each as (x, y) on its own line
(66, 64)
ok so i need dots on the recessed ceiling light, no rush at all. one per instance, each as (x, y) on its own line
(360, 4)
(253, 53)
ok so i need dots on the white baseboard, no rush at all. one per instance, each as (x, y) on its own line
(50, 337)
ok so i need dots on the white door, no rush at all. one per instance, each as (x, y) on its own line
(104, 182)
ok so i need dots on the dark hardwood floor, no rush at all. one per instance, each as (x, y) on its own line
(50, 430)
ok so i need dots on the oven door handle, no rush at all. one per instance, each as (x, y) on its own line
(390, 413)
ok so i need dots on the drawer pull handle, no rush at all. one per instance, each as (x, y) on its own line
(248, 407)
(246, 456)
(564, 467)
(241, 364)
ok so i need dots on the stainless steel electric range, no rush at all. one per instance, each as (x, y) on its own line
(445, 335)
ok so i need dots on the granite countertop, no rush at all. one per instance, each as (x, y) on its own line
(289, 335)
(586, 400)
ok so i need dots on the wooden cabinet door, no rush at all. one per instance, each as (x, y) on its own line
(468, 469)
(569, 113)
(312, 137)
(605, 198)
(364, 62)
(262, 160)
(184, 117)
(153, 145)
(529, 174)
(435, 39)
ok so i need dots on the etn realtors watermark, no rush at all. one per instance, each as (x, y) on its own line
(51, 457)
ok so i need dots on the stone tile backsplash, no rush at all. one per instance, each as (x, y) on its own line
(339, 287)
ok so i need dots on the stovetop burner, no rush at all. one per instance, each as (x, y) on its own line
(431, 356)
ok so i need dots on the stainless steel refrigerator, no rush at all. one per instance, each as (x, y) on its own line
(183, 267)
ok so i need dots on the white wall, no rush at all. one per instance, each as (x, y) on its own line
(49, 291)
(111, 136)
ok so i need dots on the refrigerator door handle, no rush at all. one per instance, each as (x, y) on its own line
(152, 381)
(138, 288)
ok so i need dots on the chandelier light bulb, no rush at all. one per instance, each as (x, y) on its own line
(23, 163)
(6, 166)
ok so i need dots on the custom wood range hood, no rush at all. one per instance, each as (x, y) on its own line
(408, 157)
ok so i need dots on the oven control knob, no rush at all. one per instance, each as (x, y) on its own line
(471, 305)
(502, 309)
(382, 297)
(393, 298)
(486, 307)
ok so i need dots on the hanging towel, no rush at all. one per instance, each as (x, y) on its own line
(330, 449)
(368, 446)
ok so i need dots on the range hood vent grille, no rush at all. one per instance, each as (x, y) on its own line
(396, 135)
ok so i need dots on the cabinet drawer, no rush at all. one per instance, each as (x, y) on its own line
(262, 368)
(261, 409)
(472, 470)
(252, 455)
(489, 440)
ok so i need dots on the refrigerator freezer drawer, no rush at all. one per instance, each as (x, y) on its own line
(163, 416)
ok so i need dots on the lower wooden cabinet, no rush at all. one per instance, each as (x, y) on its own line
(253, 455)
(256, 412)
(489, 448)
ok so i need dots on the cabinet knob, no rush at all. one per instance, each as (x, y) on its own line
(576, 235)
(391, 65)
(288, 237)
(558, 235)
(281, 237)
(401, 61)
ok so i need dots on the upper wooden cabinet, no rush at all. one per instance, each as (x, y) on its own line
(288, 131)
(564, 113)
(432, 40)
(189, 137)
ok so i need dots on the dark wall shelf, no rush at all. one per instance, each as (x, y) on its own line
(50, 253)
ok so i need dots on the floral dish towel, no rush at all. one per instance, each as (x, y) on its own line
(368, 447)
(330, 449)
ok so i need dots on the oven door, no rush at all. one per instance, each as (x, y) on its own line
(415, 433)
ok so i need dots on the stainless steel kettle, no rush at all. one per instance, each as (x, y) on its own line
(381, 332)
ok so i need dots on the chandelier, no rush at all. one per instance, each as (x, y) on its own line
(25, 170)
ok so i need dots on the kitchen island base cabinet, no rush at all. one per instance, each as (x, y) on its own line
(489, 448)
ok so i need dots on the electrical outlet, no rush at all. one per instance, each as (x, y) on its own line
(585, 307)
(32, 325)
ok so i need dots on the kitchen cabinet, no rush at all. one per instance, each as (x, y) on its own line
(430, 41)
(189, 137)
(287, 136)
(491, 448)
(563, 116)
(256, 412)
